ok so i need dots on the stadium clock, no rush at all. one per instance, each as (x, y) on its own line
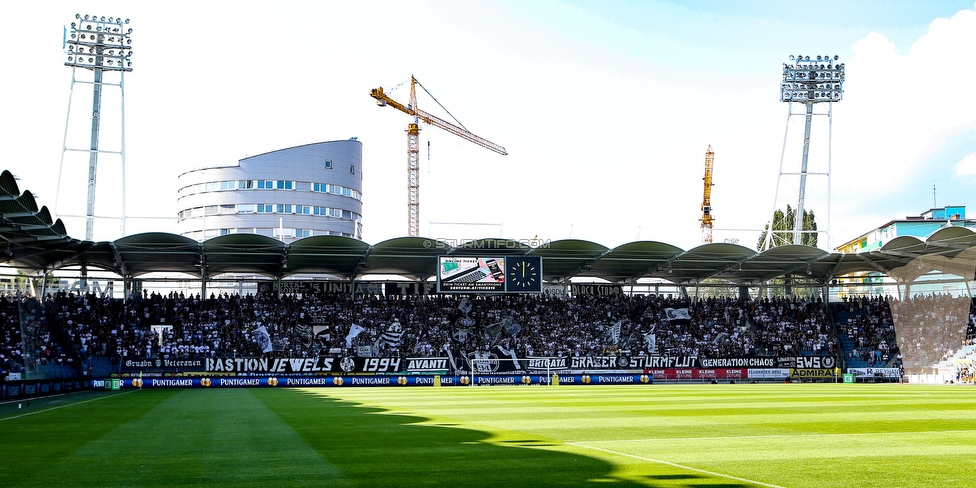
(524, 274)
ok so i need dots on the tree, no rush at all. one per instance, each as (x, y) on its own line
(783, 223)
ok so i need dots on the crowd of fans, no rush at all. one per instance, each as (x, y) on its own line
(69, 326)
(915, 333)
(11, 343)
(930, 328)
(867, 324)
(34, 343)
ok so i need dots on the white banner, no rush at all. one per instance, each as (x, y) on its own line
(772, 373)
(871, 372)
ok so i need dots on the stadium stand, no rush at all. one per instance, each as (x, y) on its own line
(84, 335)
(102, 331)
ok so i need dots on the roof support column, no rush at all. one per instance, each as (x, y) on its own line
(743, 292)
(422, 286)
(44, 287)
(84, 278)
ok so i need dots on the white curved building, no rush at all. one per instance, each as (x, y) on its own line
(301, 191)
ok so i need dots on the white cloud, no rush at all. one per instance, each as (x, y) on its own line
(967, 166)
(897, 106)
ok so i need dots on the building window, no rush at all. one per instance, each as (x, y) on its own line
(352, 169)
(245, 208)
(284, 184)
(210, 210)
(328, 164)
(283, 233)
(265, 208)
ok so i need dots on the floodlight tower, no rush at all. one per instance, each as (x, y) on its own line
(97, 44)
(808, 81)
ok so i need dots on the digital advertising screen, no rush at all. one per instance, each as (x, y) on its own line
(489, 274)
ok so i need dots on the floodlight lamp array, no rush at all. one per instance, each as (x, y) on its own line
(807, 79)
(96, 42)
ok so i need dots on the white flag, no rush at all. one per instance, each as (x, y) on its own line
(615, 332)
(354, 331)
(678, 315)
(465, 305)
(263, 339)
(650, 342)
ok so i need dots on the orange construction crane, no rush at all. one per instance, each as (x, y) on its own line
(413, 144)
(706, 206)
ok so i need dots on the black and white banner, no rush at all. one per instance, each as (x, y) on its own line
(427, 365)
(738, 362)
(161, 365)
(498, 359)
(678, 316)
(304, 365)
(547, 363)
(807, 362)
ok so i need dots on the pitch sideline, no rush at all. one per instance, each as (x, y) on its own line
(65, 405)
(675, 465)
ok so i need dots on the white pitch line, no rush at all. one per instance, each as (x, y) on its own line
(63, 406)
(676, 465)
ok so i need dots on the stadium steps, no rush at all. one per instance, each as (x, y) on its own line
(56, 371)
(842, 316)
(101, 367)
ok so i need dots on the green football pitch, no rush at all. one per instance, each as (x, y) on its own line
(732, 435)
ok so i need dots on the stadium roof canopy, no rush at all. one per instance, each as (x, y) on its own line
(30, 241)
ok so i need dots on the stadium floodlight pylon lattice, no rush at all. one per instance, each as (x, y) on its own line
(810, 81)
(100, 45)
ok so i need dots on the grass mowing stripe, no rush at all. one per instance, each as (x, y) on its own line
(82, 402)
(33, 444)
(389, 447)
(800, 436)
(888, 453)
(674, 465)
(196, 438)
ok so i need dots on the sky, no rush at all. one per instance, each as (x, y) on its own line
(605, 107)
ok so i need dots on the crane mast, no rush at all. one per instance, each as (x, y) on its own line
(413, 145)
(706, 206)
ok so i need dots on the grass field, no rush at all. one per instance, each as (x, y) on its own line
(789, 435)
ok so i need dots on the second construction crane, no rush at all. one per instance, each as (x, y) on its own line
(706, 206)
(413, 144)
